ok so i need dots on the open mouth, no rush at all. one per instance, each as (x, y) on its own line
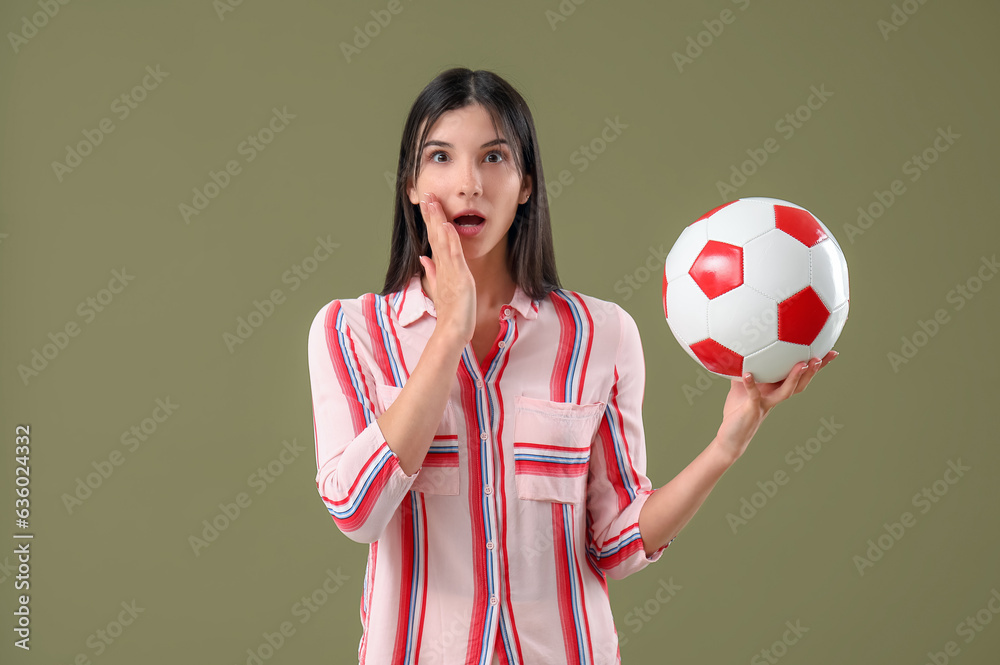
(468, 220)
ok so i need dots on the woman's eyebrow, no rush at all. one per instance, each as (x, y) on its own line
(448, 145)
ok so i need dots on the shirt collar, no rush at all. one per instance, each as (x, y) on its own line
(413, 302)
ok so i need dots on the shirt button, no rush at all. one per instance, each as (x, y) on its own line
(479, 383)
(483, 436)
(501, 344)
(489, 545)
(488, 489)
(493, 600)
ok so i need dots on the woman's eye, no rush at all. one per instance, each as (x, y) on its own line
(433, 155)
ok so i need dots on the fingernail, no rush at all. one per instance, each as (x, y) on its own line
(836, 353)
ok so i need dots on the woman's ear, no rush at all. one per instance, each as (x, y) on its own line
(526, 189)
(411, 192)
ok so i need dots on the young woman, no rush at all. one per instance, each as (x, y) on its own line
(479, 426)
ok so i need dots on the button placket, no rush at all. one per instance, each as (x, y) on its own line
(483, 406)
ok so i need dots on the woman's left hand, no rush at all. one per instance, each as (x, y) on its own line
(748, 403)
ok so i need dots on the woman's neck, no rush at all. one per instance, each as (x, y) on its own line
(494, 287)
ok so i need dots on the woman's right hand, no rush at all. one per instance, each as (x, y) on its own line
(453, 289)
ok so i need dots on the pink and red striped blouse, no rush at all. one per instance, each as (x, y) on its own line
(501, 544)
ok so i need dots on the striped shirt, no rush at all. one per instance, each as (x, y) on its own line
(528, 499)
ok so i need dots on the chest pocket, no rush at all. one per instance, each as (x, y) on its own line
(552, 448)
(439, 471)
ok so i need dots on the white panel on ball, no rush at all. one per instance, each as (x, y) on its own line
(690, 322)
(776, 264)
(690, 243)
(743, 320)
(773, 362)
(735, 226)
(829, 270)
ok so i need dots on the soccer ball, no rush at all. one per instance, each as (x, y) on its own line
(756, 285)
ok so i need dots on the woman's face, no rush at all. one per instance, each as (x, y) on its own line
(473, 171)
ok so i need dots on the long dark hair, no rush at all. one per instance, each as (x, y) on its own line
(530, 254)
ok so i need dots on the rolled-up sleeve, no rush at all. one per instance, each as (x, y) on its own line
(358, 475)
(617, 486)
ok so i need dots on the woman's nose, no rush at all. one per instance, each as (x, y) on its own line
(471, 182)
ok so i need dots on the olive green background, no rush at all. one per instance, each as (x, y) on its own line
(325, 175)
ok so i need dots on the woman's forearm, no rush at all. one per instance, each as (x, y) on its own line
(409, 423)
(672, 506)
